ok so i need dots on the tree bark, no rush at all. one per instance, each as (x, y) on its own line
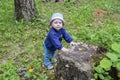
(59, 0)
(25, 9)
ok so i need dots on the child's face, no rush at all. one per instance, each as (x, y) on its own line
(57, 24)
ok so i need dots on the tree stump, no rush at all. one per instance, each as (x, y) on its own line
(77, 63)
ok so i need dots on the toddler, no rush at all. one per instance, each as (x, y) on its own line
(54, 38)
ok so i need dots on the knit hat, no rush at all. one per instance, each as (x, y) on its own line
(57, 16)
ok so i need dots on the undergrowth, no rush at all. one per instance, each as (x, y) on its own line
(21, 43)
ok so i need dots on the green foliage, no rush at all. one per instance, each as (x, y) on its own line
(105, 65)
(112, 56)
(116, 47)
(9, 71)
(105, 36)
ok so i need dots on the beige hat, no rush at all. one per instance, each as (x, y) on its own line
(57, 16)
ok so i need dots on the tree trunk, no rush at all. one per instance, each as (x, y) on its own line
(25, 9)
(77, 64)
(59, 0)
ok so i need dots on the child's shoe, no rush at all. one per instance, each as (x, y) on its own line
(50, 66)
(55, 60)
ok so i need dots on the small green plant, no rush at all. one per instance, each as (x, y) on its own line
(9, 71)
(112, 59)
(29, 74)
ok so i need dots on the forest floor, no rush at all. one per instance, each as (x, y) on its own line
(21, 43)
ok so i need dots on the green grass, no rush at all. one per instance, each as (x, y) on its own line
(21, 43)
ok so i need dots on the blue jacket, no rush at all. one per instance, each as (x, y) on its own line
(54, 38)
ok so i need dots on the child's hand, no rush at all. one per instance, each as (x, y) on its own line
(64, 49)
(73, 44)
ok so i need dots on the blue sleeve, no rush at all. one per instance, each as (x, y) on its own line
(67, 37)
(55, 41)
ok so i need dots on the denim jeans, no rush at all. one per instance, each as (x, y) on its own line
(48, 55)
